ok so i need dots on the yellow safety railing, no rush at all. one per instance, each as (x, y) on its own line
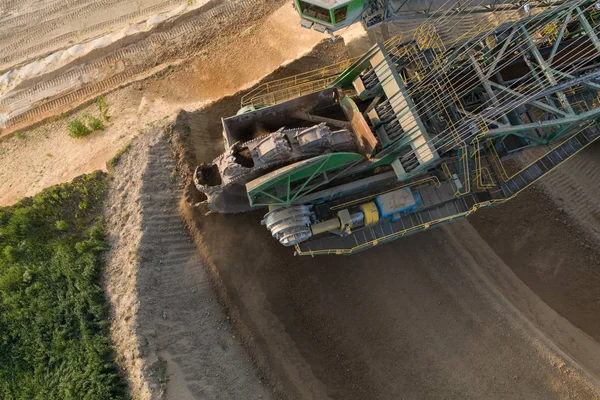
(291, 82)
(281, 95)
(466, 178)
(481, 172)
(427, 37)
(501, 171)
(263, 94)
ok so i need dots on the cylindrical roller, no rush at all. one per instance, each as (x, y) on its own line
(325, 226)
(371, 213)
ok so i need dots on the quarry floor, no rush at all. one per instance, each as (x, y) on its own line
(502, 305)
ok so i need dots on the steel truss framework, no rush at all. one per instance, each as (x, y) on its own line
(535, 80)
(559, 50)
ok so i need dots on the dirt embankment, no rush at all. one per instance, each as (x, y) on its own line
(172, 337)
(429, 316)
(549, 236)
(132, 58)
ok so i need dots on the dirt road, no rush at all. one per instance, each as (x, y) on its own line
(172, 337)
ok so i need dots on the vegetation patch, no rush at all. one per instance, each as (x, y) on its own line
(110, 164)
(54, 329)
(94, 123)
(77, 129)
(103, 107)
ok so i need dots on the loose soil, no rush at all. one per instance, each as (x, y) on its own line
(499, 306)
(173, 339)
(33, 159)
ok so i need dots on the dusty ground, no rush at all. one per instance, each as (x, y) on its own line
(172, 336)
(551, 239)
(503, 305)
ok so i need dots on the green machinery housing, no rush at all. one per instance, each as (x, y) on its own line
(413, 134)
(331, 15)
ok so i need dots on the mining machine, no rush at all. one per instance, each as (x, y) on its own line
(333, 15)
(416, 133)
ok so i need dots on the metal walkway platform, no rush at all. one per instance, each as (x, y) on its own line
(461, 207)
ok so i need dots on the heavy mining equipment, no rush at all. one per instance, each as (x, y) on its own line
(414, 134)
(333, 15)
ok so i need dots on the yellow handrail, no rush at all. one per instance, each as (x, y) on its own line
(292, 81)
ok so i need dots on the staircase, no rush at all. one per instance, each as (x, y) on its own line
(549, 162)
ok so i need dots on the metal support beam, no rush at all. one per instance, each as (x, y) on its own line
(489, 121)
(500, 54)
(558, 41)
(486, 84)
(545, 70)
(373, 104)
(588, 28)
(536, 103)
(595, 113)
(591, 85)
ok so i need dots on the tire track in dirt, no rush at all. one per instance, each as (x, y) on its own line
(178, 301)
(13, 23)
(17, 53)
(134, 59)
(33, 31)
(574, 187)
(171, 334)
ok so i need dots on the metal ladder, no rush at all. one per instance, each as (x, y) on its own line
(549, 161)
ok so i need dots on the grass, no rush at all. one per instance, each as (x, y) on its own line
(77, 129)
(110, 164)
(103, 108)
(54, 329)
(94, 123)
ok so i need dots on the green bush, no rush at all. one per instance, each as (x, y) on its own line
(62, 225)
(77, 129)
(10, 253)
(95, 124)
(54, 330)
(103, 107)
(110, 164)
